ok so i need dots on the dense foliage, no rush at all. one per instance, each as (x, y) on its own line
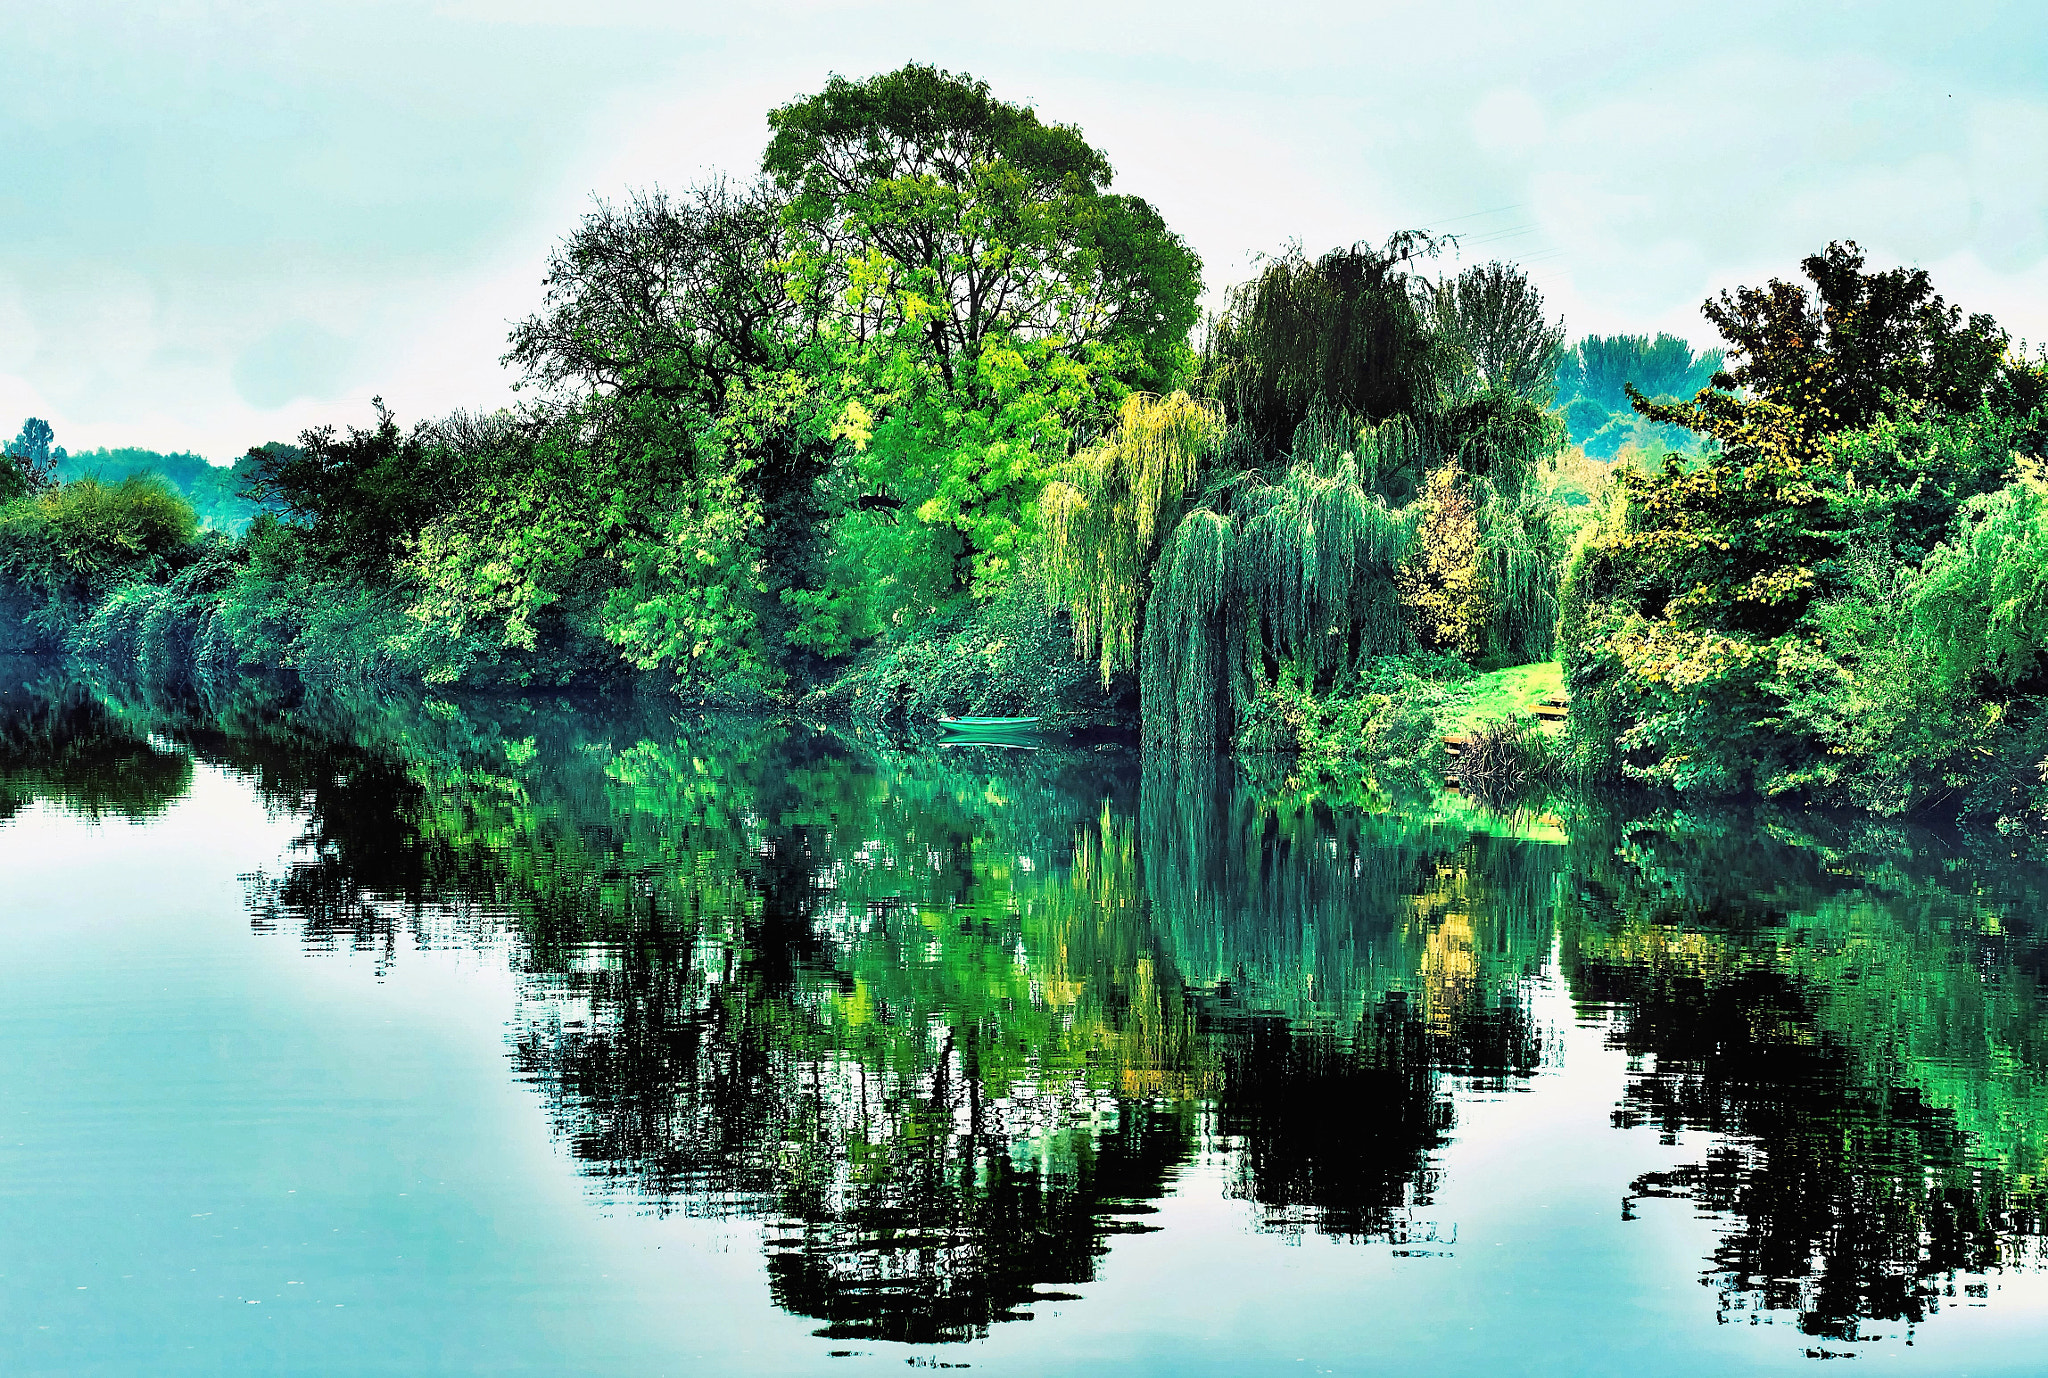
(30, 460)
(1593, 379)
(68, 547)
(911, 423)
(1838, 598)
(218, 493)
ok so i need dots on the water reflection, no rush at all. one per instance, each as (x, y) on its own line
(63, 744)
(1855, 1015)
(950, 1022)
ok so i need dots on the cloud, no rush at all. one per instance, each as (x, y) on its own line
(1677, 184)
(20, 340)
(297, 359)
(1509, 123)
(225, 223)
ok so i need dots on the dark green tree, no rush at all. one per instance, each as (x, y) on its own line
(666, 299)
(359, 496)
(669, 324)
(1344, 331)
(33, 460)
(1494, 316)
(1840, 355)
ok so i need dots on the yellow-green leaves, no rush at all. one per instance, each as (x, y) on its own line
(1442, 582)
(1101, 514)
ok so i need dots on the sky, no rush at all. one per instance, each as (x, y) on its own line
(223, 223)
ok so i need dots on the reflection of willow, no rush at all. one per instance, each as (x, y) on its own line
(764, 975)
(59, 742)
(1345, 963)
(921, 1101)
(951, 1024)
(1859, 1022)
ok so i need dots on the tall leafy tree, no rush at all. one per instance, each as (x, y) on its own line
(936, 208)
(1602, 368)
(989, 293)
(1493, 315)
(362, 496)
(1344, 331)
(669, 326)
(32, 460)
(1839, 355)
(1737, 539)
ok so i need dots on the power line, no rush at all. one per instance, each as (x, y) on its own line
(1459, 219)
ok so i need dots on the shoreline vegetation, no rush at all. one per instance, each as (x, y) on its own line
(925, 419)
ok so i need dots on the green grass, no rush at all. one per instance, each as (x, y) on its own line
(1508, 693)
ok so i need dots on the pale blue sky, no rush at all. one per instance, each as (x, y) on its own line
(220, 222)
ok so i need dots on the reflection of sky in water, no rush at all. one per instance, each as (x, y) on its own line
(219, 1154)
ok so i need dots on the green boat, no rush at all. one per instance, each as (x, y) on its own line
(987, 724)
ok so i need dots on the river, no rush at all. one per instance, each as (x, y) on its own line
(354, 1033)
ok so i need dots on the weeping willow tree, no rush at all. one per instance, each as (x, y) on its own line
(1103, 512)
(1315, 573)
(1182, 673)
(1495, 435)
(1410, 417)
(1392, 457)
(1296, 573)
(1521, 561)
(1344, 330)
(1503, 547)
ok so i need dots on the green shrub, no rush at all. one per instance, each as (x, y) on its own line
(1903, 481)
(1010, 657)
(1879, 717)
(67, 548)
(1372, 735)
(1984, 595)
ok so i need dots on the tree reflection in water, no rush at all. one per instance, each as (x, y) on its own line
(950, 1025)
(1855, 1015)
(63, 744)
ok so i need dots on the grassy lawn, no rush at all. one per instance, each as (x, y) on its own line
(1508, 693)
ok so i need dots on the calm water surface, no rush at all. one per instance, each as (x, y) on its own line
(351, 1035)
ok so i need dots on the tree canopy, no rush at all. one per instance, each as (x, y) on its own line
(1343, 331)
(936, 210)
(30, 460)
(1493, 315)
(885, 424)
(667, 299)
(1839, 355)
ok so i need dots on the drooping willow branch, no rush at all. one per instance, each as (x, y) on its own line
(1299, 572)
(1104, 510)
